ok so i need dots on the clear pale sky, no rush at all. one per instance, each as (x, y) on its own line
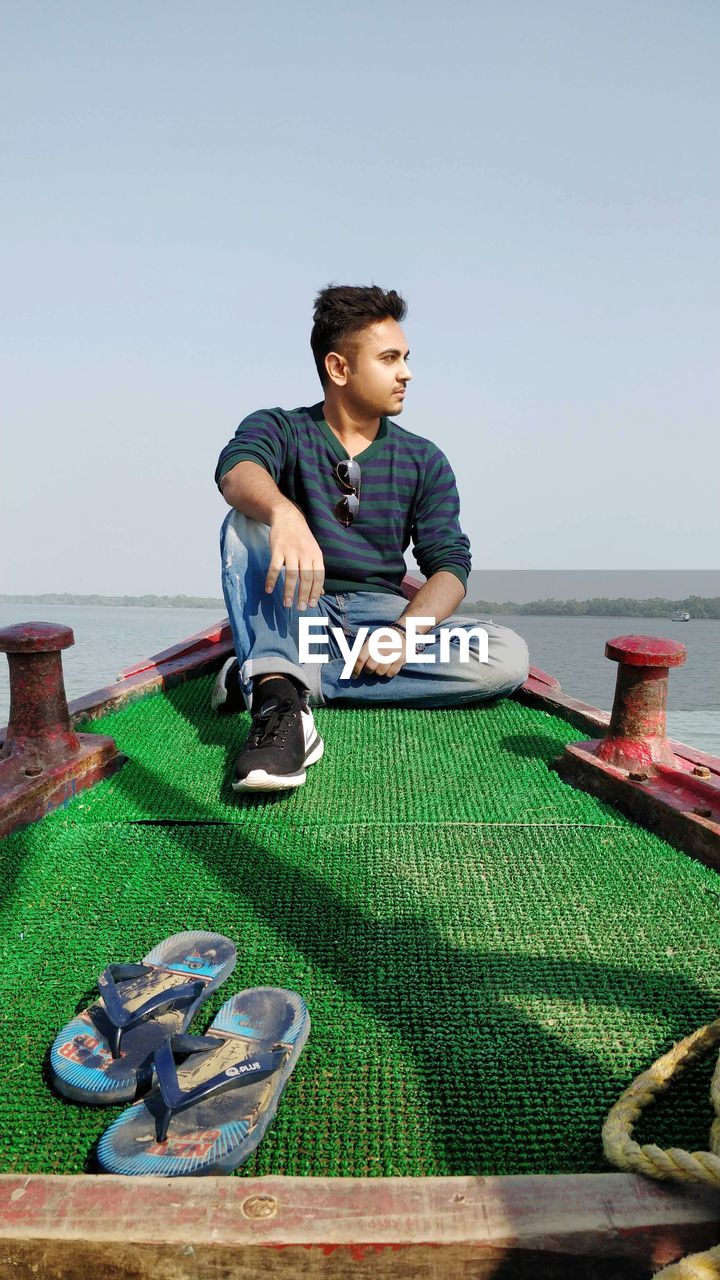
(540, 179)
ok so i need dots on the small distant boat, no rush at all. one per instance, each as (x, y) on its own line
(680, 615)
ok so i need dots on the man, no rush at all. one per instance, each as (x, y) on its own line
(324, 502)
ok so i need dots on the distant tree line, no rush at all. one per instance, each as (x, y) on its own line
(147, 602)
(602, 607)
(599, 607)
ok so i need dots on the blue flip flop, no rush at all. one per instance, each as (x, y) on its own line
(104, 1055)
(208, 1115)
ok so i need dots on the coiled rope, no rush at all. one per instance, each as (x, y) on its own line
(684, 1166)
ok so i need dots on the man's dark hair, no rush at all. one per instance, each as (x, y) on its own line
(342, 311)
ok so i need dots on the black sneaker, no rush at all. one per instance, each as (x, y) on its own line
(282, 741)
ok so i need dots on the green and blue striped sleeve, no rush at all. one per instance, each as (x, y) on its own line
(261, 438)
(438, 541)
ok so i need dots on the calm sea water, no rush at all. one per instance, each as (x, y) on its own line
(108, 638)
(573, 650)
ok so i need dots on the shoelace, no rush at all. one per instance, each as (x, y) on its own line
(274, 713)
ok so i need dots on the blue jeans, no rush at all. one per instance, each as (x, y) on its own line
(266, 636)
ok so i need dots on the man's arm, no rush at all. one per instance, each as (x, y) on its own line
(442, 552)
(250, 489)
(437, 598)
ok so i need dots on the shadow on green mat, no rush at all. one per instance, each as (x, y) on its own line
(494, 1081)
(535, 746)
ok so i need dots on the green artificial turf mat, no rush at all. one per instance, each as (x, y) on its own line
(387, 765)
(488, 955)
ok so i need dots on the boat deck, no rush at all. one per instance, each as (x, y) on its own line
(489, 956)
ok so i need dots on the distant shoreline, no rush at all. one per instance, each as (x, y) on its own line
(706, 607)
(601, 607)
(144, 602)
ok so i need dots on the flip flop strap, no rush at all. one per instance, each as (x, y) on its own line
(117, 1011)
(244, 1071)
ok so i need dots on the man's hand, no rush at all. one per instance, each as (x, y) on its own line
(386, 667)
(436, 600)
(249, 489)
(293, 547)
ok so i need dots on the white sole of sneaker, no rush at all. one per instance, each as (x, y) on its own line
(260, 780)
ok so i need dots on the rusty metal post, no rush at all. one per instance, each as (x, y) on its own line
(636, 738)
(39, 730)
(43, 762)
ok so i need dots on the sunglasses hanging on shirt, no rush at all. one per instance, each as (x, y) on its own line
(347, 476)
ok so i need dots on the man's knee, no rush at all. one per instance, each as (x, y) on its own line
(514, 659)
(242, 537)
(507, 662)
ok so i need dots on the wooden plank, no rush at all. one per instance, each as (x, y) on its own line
(605, 1225)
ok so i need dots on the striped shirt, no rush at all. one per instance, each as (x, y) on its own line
(407, 494)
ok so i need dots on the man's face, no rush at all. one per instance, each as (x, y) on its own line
(375, 372)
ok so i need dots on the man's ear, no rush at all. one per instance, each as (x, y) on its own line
(337, 368)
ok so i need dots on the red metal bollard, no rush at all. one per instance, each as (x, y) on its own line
(636, 738)
(44, 762)
(670, 788)
(39, 729)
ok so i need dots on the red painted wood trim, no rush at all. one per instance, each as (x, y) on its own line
(561, 1218)
(153, 678)
(582, 715)
(539, 681)
(202, 643)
